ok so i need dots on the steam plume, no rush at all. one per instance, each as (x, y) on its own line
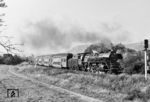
(46, 34)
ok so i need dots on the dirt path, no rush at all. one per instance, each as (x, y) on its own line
(72, 94)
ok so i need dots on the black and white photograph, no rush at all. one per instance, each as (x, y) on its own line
(74, 51)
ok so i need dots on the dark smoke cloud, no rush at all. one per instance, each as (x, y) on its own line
(46, 34)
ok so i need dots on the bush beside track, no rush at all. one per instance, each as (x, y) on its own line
(110, 88)
(10, 59)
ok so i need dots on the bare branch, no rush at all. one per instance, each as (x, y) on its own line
(9, 46)
(7, 43)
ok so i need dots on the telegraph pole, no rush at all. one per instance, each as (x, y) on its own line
(145, 54)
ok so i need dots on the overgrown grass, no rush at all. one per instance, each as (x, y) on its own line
(134, 86)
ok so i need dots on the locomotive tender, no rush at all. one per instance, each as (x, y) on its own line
(103, 62)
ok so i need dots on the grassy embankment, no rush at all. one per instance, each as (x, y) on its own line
(104, 86)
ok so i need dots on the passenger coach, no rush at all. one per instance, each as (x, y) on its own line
(61, 60)
(55, 60)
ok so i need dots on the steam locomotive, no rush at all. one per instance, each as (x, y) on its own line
(95, 63)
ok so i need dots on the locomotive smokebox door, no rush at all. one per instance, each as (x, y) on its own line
(145, 43)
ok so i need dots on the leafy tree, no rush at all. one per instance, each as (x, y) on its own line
(120, 47)
(99, 47)
(1, 60)
(17, 59)
(7, 59)
(134, 62)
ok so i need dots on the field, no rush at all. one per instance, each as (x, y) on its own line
(61, 85)
(109, 88)
(30, 91)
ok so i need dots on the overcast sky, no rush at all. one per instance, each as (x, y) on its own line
(118, 20)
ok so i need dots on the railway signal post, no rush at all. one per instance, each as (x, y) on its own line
(145, 54)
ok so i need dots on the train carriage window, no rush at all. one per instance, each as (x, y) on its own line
(63, 60)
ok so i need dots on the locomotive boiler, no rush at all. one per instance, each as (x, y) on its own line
(96, 63)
